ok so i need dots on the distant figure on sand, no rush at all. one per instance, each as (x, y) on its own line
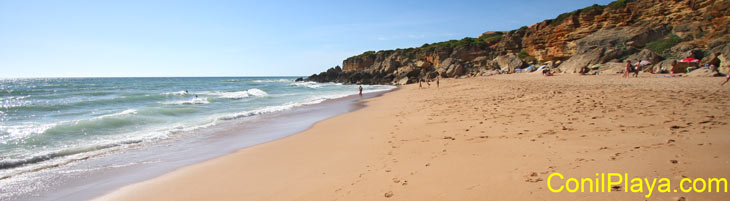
(428, 84)
(438, 79)
(360, 90)
(584, 70)
(637, 68)
(627, 69)
(419, 83)
(546, 72)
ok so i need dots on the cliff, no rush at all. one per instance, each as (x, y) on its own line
(658, 31)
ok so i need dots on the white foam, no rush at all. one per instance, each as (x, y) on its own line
(23, 130)
(257, 92)
(312, 85)
(199, 100)
(272, 80)
(122, 113)
(177, 93)
(236, 94)
(309, 101)
(265, 110)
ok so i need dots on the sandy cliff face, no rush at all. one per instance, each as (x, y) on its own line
(670, 29)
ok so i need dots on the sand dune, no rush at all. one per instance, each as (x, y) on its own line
(486, 138)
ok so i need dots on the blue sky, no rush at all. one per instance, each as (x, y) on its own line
(236, 38)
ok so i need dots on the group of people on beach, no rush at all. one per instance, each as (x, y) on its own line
(438, 82)
(636, 68)
(628, 69)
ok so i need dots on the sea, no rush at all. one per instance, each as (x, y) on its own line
(63, 134)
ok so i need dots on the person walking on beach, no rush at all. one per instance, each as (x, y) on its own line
(637, 68)
(438, 78)
(419, 83)
(360, 90)
(627, 69)
(726, 79)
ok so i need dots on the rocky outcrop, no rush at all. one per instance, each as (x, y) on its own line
(724, 57)
(645, 55)
(509, 62)
(652, 30)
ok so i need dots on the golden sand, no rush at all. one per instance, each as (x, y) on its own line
(485, 138)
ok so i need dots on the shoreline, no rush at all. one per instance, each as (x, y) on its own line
(96, 176)
(495, 137)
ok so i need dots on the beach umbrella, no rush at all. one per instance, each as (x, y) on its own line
(645, 63)
(689, 60)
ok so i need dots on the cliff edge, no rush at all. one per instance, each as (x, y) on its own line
(658, 31)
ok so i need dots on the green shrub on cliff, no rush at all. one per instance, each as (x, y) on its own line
(659, 46)
(368, 53)
(496, 36)
(523, 54)
(466, 41)
(562, 17)
(591, 8)
(619, 4)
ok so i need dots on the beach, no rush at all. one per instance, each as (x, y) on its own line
(481, 138)
(76, 138)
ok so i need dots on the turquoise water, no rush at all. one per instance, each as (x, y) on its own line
(45, 123)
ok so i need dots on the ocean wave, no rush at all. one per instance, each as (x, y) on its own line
(122, 113)
(42, 106)
(265, 110)
(272, 80)
(168, 111)
(176, 93)
(312, 85)
(94, 125)
(290, 105)
(194, 101)
(13, 163)
(237, 94)
(101, 125)
(12, 133)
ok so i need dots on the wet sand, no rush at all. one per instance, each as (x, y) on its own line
(485, 138)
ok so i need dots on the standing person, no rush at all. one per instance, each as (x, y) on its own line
(419, 83)
(674, 63)
(627, 69)
(428, 84)
(438, 79)
(360, 90)
(637, 68)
